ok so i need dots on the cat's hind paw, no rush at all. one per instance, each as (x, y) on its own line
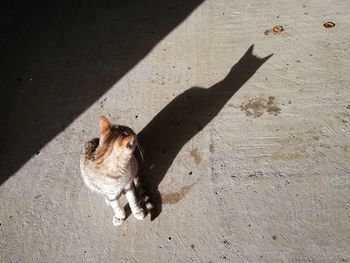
(139, 214)
(118, 221)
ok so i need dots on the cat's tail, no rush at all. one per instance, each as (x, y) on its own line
(145, 200)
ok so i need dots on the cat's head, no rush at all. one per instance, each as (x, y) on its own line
(115, 139)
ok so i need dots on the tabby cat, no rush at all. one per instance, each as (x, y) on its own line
(109, 167)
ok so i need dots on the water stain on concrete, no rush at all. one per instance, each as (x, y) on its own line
(174, 197)
(211, 148)
(196, 156)
(257, 106)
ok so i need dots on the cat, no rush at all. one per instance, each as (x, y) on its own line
(109, 167)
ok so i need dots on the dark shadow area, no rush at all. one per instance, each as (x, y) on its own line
(58, 57)
(183, 118)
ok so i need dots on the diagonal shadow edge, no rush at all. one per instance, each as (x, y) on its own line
(181, 119)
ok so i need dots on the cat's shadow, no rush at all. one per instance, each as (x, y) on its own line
(183, 118)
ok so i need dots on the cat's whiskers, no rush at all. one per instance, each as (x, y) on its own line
(140, 150)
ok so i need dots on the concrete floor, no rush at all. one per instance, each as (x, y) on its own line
(265, 177)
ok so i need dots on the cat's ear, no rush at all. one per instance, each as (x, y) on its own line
(105, 125)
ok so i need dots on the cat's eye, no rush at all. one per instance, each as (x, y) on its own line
(130, 144)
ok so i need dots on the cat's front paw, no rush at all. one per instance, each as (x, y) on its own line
(118, 221)
(139, 214)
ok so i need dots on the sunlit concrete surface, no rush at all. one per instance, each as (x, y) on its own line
(267, 179)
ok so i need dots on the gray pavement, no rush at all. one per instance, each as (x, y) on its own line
(251, 156)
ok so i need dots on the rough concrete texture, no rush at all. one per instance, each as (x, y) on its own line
(265, 180)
